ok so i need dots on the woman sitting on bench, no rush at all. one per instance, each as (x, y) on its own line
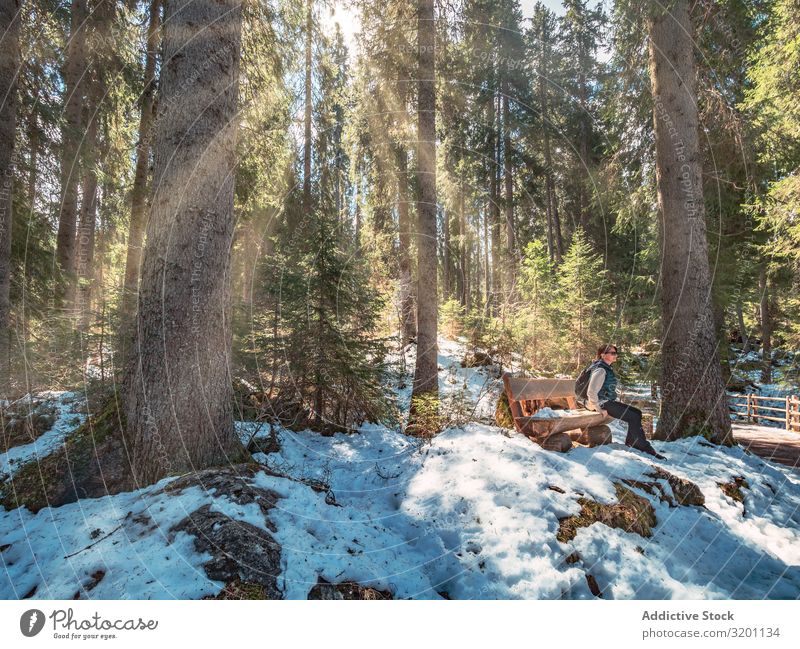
(601, 396)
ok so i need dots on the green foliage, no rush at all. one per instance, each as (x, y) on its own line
(451, 318)
(425, 419)
(319, 316)
(583, 311)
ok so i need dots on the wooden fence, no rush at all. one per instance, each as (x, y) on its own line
(755, 408)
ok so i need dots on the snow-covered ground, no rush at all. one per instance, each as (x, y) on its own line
(69, 415)
(472, 513)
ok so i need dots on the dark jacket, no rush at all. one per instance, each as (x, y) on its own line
(608, 388)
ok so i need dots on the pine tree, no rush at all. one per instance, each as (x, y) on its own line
(583, 311)
(324, 318)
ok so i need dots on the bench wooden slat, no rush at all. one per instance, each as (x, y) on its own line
(539, 426)
(521, 388)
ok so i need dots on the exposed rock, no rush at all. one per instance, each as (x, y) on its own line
(346, 590)
(733, 489)
(685, 491)
(239, 550)
(244, 556)
(232, 481)
(681, 492)
(632, 513)
(653, 488)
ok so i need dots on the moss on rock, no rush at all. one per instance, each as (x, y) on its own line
(91, 463)
(631, 513)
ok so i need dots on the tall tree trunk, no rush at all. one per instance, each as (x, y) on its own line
(71, 133)
(84, 254)
(497, 266)
(357, 233)
(34, 144)
(179, 397)
(585, 128)
(446, 256)
(548, 165)
(462, 250)
(544, 100)
(486, 273)
(742, 330)
(694, 400)
(10, 19)
(139, 192)
(98, 63)
(426, 377)
(766, 325)
(557, 223)
(307, 118)
(508, 178)
(408, 324)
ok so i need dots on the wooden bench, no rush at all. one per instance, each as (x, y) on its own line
(526, 396)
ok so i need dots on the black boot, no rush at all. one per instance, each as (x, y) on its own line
(643, 445)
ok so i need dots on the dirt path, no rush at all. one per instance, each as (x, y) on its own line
(770, 443)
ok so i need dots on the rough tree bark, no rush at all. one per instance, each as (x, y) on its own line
(497, 267)
(585, 129)
(9, 67)
(178, 390)
(426, 380)
(84, 244)
(133, 258)
(693, 393)
(766, 325)
(446, 256)
(71, 133)
(742, 329)
(408, 324)
(486, 270)
(508, 179)
(463, 251)
(307, 116)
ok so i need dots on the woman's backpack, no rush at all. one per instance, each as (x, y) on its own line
(582, 383)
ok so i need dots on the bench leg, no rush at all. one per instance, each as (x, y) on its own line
(598, 435)
(559, 442)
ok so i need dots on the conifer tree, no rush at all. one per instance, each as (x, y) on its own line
(583, 308)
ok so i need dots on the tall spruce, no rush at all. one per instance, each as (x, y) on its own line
(179, 398)
(10, 19)
(71, 134)
(693, 393)
(426, 380)
(139, 190)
